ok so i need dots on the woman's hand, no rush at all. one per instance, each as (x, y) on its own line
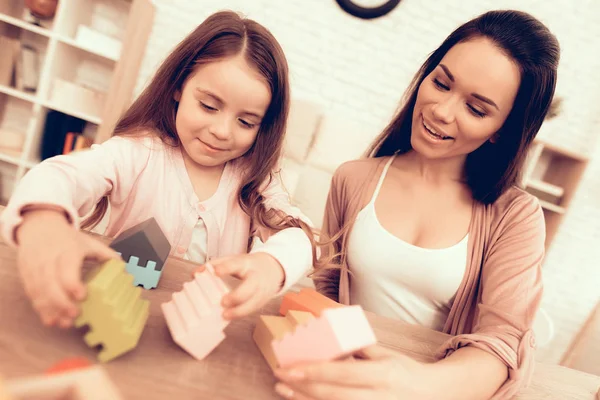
(262, 277)
(379, 374)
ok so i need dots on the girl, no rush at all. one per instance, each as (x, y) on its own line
(431, 228)
(196, 151)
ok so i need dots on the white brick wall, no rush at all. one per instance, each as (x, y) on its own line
(361, 68)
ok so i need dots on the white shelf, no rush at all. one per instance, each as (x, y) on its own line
(73, 43)
(7, 158)
(25, 25)
(70, 59)
(552, 207)
(18, 94)
(545, 187)
(75, 113)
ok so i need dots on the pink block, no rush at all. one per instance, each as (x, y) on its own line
(336, 333)
(194, 314)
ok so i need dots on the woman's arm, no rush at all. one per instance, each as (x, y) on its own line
(469, 373)
(511, 291)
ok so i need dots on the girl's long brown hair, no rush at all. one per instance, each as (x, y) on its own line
(222, 35)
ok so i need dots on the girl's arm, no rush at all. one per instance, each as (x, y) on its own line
(74, 183)
(291, 247)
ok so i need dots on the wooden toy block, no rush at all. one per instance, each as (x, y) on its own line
(114, 311)
(85, 384)
(272, 327)
(337, 333)
(194, 315)
(307, 300)
(68, 364)
(146, 276)
(145, 248)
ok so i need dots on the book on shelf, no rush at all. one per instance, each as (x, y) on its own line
(9, 48)
(57, 126)
(75, 141)
(27, 69)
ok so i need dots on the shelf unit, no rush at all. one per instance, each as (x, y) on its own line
(553, 175)
(89, 52)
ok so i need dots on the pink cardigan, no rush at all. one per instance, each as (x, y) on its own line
(143, 178)
(499, 296)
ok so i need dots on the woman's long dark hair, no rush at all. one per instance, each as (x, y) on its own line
(494, 167)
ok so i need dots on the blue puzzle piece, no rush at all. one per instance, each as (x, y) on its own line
(146, 276)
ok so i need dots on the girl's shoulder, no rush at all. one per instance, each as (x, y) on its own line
(139, 142)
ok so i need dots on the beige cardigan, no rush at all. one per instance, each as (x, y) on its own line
(501, 291)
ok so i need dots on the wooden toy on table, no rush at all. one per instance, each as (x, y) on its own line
(272, 327)
(307, 300)
(145, 249)
(113, 309)
(68, 364)
(194, 315)
(301, 337)
(91, 383)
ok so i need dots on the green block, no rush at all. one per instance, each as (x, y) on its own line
(114, 310)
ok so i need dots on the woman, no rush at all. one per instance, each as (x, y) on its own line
(431, 228)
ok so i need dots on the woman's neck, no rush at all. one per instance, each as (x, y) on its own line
(437, 171)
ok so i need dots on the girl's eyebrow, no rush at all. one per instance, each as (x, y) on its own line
(220, 101)
(211, 94)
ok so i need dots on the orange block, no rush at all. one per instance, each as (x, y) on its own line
(68, 364)
(308, 300)
(92, 383)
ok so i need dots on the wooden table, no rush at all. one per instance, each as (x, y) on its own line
(159, 369)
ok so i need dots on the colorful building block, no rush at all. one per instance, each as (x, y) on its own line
(307, 300)
(114, 311)
(194, 315)
(68, 364)
(83, 384)
(145, 248)
(337, 333)
(271, 327)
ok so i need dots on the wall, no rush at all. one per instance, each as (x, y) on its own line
(359, 69)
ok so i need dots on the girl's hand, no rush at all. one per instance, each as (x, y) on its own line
(262, 277)
(380, 374)
(50, 256)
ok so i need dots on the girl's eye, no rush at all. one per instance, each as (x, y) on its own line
(207, 107)
(440, 85)
(476, 112)
(246, 124)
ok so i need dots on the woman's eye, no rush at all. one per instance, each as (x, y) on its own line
(207, 107)
(476, 112)
(440, 85)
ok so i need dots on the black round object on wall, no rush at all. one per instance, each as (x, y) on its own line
(356, 10)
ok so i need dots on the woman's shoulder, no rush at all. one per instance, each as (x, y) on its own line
(515, 205)
(356, 173)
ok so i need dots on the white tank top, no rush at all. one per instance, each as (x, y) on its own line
(396, 279)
